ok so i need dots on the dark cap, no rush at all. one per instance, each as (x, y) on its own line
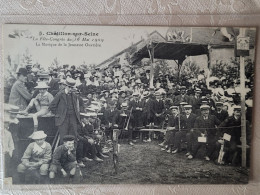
(68, 138)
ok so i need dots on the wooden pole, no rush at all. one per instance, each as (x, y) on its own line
(243, 110)
(151, 52)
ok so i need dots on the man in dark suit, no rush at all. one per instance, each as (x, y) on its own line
(233, 124)
(183, 97)
(172, 128)
(186, 131)
(205, 127)
(195, 101)
(65, 106)
(53, 84)
(137, 111)
(220, 113)
(108, 117)
(157, 109)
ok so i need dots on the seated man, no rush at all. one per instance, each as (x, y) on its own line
(171, 129)
(86, 143)
(36, 156)
(64, 158)
(206, 133)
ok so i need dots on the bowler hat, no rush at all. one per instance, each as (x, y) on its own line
(22, 71)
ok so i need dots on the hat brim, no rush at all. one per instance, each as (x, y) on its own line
(41, 87)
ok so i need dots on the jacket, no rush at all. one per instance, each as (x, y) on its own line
(59, 106)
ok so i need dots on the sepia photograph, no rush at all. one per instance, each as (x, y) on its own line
(127, 104)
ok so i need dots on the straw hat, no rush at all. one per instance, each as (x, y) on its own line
(38, 135)
(42, 85)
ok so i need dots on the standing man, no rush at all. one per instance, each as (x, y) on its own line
(157, 109)
(65, 106)
(186, 131)
(20, 95)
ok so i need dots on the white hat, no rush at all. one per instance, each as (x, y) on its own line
(38, 135)
(124, 104)
(42, 85)
(88, 114)
(204, 107)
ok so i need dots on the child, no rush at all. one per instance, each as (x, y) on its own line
(41, 102)
(37, 155)
(64, 158)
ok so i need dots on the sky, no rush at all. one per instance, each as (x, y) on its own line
(42, 44)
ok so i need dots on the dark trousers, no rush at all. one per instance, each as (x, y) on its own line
(210, 147)
(169, 137)
(191, 139)
(85, 149)
(178, 138)
(68, 127)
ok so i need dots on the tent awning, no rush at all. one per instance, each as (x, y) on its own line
(171, 51)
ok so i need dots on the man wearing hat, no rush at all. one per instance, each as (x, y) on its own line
(64, 158)
(219, 112)
(88, 148)
(41, 103)
(172, 128)
(20, 95)
(186, 131)
(137, 111)
(108, 117)
(233, 124)
(37, 156)
(53, 83)
(157, 109)
(205, 128)
(66, 108)
(195, 101)
(183, 97)
(123, 120)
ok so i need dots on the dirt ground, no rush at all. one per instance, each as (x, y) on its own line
(145, 163)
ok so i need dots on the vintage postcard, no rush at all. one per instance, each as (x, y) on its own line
(127, 104)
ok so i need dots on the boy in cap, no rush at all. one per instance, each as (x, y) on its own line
(64, 158)
(41, 103)
(37, 155)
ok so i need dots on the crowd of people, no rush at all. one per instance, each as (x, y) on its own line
(88, 105)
